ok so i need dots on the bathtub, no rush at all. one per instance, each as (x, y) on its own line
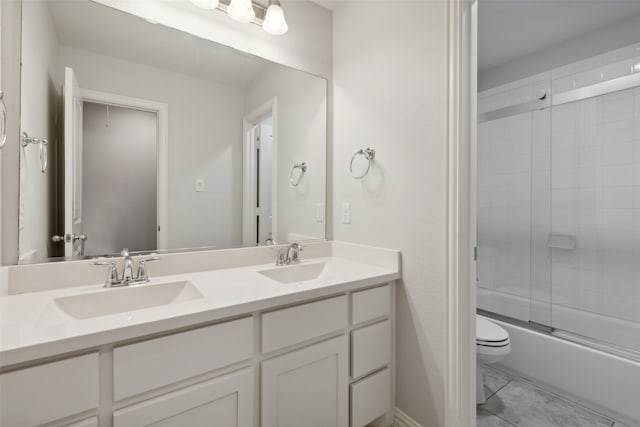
(594, 377)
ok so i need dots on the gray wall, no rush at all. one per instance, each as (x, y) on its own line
(614, 36)
(119, 179)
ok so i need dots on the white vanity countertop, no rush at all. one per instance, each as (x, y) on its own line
(33, 326)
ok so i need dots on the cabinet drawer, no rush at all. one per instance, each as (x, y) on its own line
(223, 401)
(370, 398)
(162, 361)
(45, 393)
(371, 304)
(304, 322)
(370, 348)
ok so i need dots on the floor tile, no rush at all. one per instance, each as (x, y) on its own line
(494, 380)
(485, 418)
(524, 405)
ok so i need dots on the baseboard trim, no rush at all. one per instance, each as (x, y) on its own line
(400, 419)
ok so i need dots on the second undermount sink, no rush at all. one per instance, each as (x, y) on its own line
(122, 300)
(295, 273)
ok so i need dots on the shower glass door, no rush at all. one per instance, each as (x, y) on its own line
(514, 210)
(595, 239)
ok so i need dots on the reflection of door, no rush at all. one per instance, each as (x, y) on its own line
(259, 180)
(264, 155)
(119, 178)
(72, 165)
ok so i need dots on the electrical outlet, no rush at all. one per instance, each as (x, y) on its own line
(319, 212)
(199, 185)
(346, 213)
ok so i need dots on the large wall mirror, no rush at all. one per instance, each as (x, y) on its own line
(141, 136)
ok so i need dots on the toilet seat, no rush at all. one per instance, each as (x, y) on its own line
(488, 334)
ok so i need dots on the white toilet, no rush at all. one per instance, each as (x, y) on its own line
(492, 344)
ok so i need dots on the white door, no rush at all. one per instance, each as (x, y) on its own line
(73, 238)
(222, 402)
(265, 180)
(307, 387)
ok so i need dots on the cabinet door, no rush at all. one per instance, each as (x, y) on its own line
(222, 402)
(307, 387)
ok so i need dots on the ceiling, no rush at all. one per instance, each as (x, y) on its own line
(90, 26)
(511, 29)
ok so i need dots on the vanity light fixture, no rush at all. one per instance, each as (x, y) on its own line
(274, 22)
(241, 11)
(271, 18)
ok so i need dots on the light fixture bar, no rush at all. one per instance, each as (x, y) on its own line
(261, 11)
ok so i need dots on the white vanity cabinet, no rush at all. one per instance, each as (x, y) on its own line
(225, 401)
(307, 387)
(324, 363)
(49, 392)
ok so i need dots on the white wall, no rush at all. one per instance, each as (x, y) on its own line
(596, 42)
(205, 128)
(301, 133)
(40, 96)
(390, 93)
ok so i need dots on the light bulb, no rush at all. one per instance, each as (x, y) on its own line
(274, 22)
(206, 4)
(241, 11)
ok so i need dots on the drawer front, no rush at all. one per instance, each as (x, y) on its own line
(304, 322)
(371, 304)
(370, 398)
(224, 401)
(45, 393)
(370, 348)
(162, 361)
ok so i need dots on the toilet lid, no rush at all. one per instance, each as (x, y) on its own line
(487, 331)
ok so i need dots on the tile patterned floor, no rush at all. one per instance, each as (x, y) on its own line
(515, 403)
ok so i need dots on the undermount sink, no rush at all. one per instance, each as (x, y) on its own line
(122, 300)
(294, 273)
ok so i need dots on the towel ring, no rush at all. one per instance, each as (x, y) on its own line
(3, 119)
(303, 168)
(26, 140)
(368, 153)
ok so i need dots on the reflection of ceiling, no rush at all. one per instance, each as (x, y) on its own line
(329, 4)
(511, 29)
(86, 25)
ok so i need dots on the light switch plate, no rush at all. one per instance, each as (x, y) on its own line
(346, 213)
(199, 184)
(319, 212)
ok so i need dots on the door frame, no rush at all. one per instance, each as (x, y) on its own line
(460, 360)
(162, 111)
(249, 170)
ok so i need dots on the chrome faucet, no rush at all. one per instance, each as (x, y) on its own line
(127, 269)
(128, 278)
(294, 258)
(289, 255)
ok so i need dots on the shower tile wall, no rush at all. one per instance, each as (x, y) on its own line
(559, 204)
(504, 207)
(596, 201)
(514, 214)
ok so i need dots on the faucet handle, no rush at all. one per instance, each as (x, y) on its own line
(281, 257)
(143, 276)
(124, 252)
(152, 257)
(112, 274)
